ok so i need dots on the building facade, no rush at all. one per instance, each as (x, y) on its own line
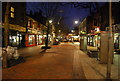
(99, 21)
(36, 33)
(17, 22)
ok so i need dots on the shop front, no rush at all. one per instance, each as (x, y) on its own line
(15, 38)
(94, 37)
(117, 41)
(16, 35)
(39, 39)
(31, 40)
(116, 31)
(34, 37)
(90, 40)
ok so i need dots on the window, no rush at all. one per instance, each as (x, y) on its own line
(29, 23)
(12, 9)
(12, 12)
(12, 15)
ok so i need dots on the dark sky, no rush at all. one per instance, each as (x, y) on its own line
(70, 13)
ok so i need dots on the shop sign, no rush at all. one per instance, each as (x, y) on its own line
(34, 31)
(39, 32)
(30, 31)
(18, 28)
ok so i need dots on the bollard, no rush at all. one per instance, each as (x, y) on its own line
(16, 54)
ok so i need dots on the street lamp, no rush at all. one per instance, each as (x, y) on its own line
(72, 31)
(47, 37)
(76, 22)
(59, 30)
(50, 21)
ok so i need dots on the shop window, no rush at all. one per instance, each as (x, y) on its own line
(12, 12)
(15, 40)
(39, 39)
(28, 23)
(31, 39)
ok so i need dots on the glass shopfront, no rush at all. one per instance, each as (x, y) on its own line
(90, 40)
(39, 39)
(117, 40)
(31, 40)
(94, 40)
(15, 39)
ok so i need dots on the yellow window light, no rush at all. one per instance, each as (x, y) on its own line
(12, 9)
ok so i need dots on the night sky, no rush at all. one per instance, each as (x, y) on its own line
(70, 13)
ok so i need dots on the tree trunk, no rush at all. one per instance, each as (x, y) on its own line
(46, 42)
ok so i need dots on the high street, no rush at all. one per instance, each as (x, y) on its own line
(64, 61)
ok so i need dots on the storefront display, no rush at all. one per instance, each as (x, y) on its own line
(90, 40)
(15, 38)
(30, 40)
(117, 41)
(39, 39)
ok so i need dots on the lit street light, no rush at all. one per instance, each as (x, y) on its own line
(50, 21)
(59, 30)
(76, 22)
(72, 31)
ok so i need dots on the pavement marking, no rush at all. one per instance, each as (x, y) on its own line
(78, 72)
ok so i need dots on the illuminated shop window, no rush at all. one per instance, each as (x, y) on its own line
(31, 39)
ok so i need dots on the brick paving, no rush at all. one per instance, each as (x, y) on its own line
(64, 61)
(56, 63)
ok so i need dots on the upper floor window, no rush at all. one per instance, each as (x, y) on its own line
(12, 12)
(12, 9)
(29, 23)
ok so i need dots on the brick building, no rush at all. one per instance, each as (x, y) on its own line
(17, 23)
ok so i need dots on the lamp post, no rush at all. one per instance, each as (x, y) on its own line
(50, 21)
(76, 22)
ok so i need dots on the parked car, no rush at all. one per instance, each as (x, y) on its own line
(56, 42)
(65, 40)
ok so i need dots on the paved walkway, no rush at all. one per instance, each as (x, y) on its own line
(64, 61)
(94, 70)
(56, 63)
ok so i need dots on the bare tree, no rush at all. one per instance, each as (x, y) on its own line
(88, 5)
(49, 10)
